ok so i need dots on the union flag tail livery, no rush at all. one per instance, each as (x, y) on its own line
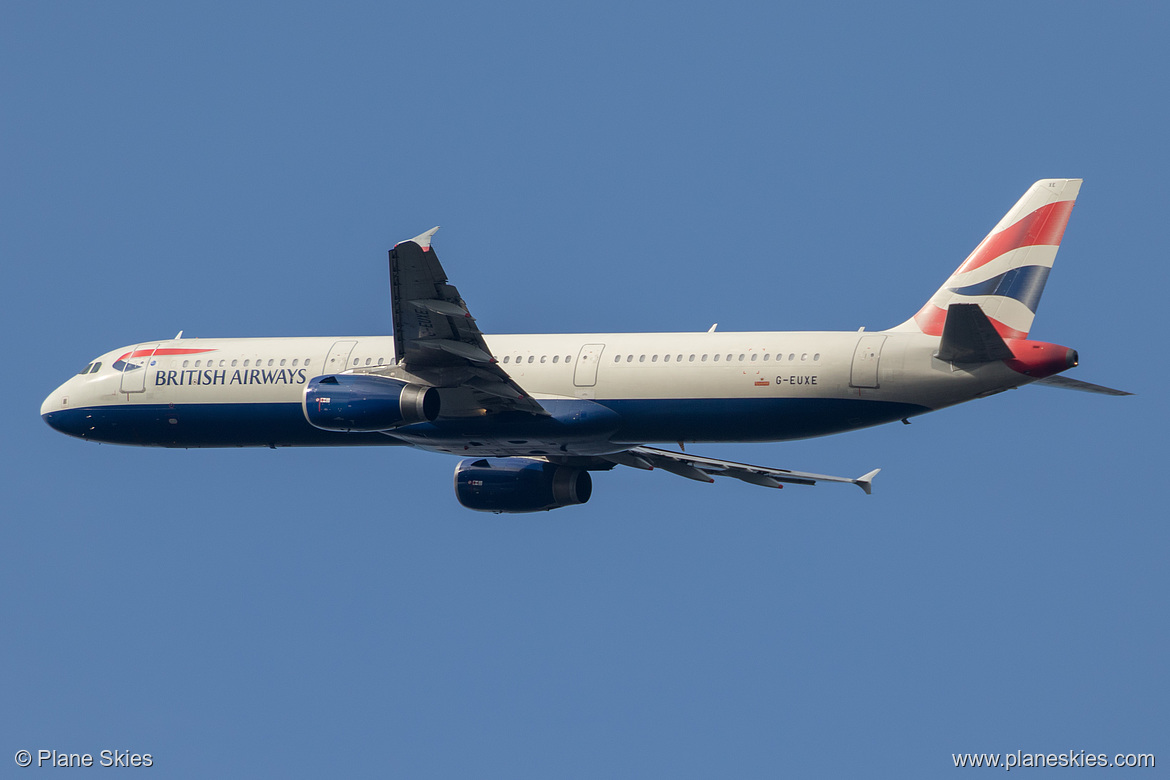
(1005, 275)
(534, 415)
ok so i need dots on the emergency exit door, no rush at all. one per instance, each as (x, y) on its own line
(865, 361)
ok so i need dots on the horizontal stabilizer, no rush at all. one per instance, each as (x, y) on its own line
(1076, 384)
(969, 337)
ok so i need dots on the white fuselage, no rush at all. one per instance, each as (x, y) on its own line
(605, 391)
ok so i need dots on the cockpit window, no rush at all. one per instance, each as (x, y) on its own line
(90, 368)
(95, 368)
(85, 370)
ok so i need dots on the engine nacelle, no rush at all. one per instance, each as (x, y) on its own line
(519, 485)
(366, 403)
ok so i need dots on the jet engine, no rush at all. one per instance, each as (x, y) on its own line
(519, 485)
(366, 403)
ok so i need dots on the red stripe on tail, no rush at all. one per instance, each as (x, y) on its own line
(1043, 227)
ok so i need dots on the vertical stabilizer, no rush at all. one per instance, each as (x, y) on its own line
(1005, 275)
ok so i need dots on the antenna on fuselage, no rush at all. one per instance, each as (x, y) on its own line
(178, 335)
(713, 327)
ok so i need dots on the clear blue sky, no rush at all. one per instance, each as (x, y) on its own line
(241, 169)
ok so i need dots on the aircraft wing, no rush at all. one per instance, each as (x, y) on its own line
(703, 469)
(436, 338)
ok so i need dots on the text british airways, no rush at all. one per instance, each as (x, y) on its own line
(254, 376)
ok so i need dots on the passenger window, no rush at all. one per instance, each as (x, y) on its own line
(754, 356)
(641, 358)
(654, 359)
(804, 356)
(817, 356)
(380, 361)
(741, 358)
(704, 359)
(568, 358)
(729, 357)
(666, 358)
(629, 358)
(716, 358)
(617, 358)
(692, 358)
(531, 358)
(542, 358)
(507, 358)
(792, 356)
(196, 364)
(556, 358)
(185, 362)
(679, 358)
(306, 361)
(283, 359)
(765, 357)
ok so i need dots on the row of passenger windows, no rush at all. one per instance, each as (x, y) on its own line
(702, 358)
(223, 362)
(716, 358)
(272, 362)
(259, 362)
(543, 358)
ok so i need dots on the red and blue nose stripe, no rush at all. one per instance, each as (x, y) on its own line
(121, 365)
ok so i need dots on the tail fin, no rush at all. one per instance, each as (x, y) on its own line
(1005, 275)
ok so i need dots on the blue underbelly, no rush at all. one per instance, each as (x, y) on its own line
(575, 424)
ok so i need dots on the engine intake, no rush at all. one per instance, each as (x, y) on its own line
(365, 403)
(519, 485)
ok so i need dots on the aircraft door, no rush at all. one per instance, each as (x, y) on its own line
(338, 359)
(865, 361)
(135, 366)
(585, 375)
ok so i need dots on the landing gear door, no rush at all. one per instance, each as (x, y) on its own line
(135, 365)
(865, 361)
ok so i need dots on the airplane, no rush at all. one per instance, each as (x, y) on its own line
(534, 415)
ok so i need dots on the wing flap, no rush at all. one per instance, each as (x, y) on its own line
(457, 348)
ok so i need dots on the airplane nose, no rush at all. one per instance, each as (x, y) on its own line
(51, 404)
(71, 422)
(56, 412)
